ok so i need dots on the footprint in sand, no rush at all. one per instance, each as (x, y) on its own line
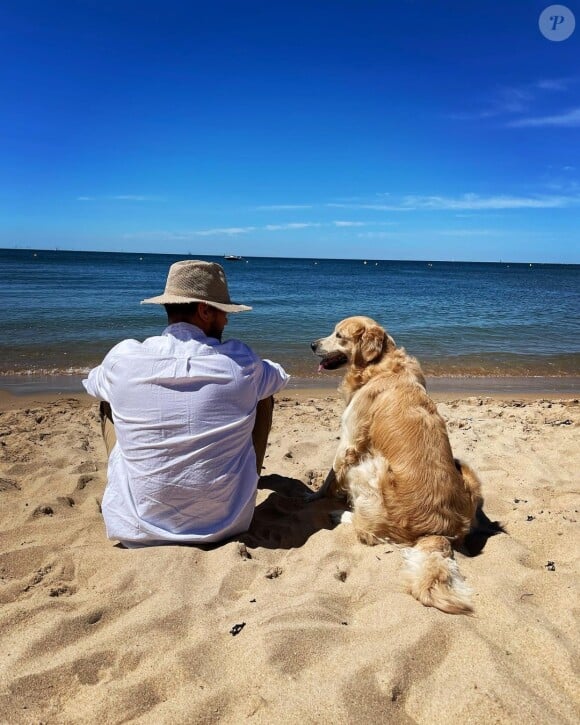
(83, 481)
(377, 692)
(237, 582)
(308, 632)
(42, 510)
(8, 484)
(60, 505)
(87, 467)
(66, 681)
(27, 572)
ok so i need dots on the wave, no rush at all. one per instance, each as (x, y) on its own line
(447, 368)
(45, 372)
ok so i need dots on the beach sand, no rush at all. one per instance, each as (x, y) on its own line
(294, 622)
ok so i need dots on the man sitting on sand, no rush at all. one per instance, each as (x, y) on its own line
(191, 419)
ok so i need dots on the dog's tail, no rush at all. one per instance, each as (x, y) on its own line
(432, 576)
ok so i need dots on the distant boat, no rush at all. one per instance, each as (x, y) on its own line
(233, 257)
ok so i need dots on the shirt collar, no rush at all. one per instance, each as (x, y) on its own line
(186, 331)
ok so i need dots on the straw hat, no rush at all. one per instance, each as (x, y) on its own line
(195, 281)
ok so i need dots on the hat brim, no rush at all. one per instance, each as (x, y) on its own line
(175, 300)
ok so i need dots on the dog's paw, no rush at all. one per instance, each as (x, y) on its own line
(341, 517)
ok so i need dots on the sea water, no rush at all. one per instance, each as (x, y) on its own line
(62, 311)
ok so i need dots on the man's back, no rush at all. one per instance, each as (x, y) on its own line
(184, 406)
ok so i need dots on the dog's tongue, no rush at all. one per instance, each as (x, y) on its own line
(332, 361)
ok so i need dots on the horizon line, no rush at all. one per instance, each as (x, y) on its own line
(427, 260)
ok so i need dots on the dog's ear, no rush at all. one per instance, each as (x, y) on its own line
(372, 343)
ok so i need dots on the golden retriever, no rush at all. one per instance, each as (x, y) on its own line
(394, 462)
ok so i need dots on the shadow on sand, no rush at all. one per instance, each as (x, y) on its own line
(484, 529)
(285, 520)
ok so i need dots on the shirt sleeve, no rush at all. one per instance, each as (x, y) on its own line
(95, 383)
(99, 381)
(273, 378)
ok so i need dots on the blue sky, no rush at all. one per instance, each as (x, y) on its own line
(414, 129)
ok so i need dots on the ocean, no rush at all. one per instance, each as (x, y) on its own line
(64, 310)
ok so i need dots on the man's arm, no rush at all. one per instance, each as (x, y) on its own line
(273, 378)
(99, 380)
(94, 383)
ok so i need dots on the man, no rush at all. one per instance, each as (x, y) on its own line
(187, 444)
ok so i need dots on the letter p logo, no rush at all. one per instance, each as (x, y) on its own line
(557, 22)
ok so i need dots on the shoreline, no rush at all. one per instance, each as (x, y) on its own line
(439, 387)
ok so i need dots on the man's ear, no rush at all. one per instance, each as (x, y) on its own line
(372, 343)
(203, 311)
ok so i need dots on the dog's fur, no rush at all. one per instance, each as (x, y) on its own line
(394, 462)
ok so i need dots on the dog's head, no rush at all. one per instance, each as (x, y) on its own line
(355, 340)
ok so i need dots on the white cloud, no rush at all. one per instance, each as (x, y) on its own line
(512, 100)
(168, 235)
(473, 201)
(282, 207)
(465, 206)
(516, 100)
(554, 84)
(570, 119)
(133, 197)
(222, 231)
(467, 232)
(370, 207)
(292, 225)
(378, 235)
(229, 231)
(504, 101)
(120, 197)
(469, 202)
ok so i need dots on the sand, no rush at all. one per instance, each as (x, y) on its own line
(294, 622)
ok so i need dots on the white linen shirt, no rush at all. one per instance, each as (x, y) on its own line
(184, 406)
